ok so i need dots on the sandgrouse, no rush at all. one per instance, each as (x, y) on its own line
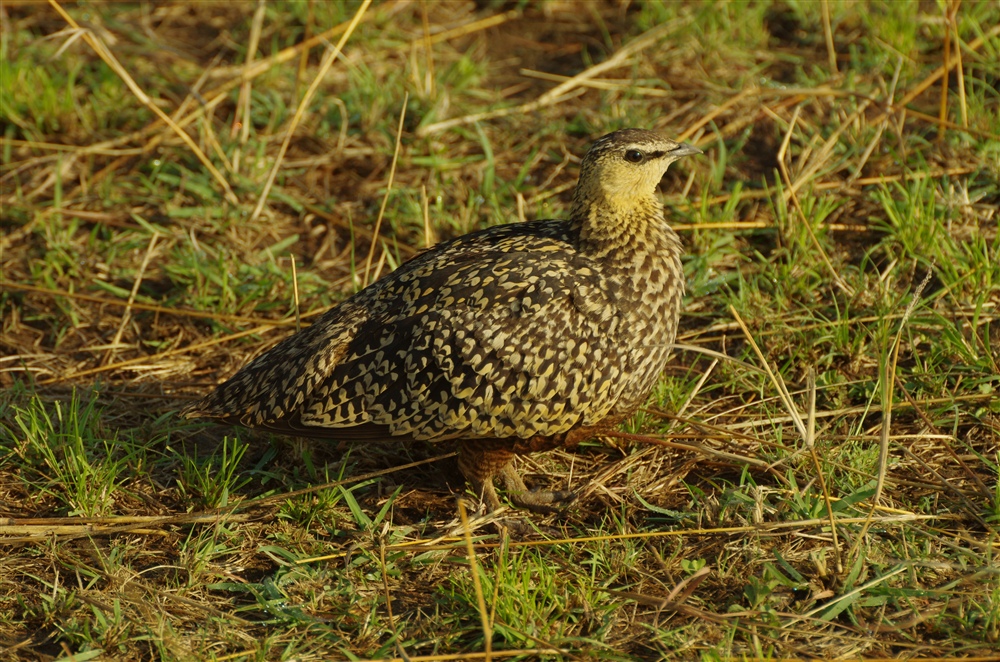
(510, 340)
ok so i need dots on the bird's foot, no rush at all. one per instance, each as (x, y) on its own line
(539, 501)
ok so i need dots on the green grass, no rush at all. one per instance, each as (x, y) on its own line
(131, 533)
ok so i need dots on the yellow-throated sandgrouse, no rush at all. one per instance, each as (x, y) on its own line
(513, 339)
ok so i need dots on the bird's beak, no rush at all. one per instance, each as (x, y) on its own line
(684, 149)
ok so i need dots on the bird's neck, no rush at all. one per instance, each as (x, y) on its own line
(615, 230)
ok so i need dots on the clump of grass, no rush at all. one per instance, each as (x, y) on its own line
(77, 459)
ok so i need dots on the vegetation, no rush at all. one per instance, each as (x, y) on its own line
(816, 475)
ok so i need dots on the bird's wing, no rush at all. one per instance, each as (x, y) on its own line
(271, 391)
(272, 387)
(500, 344)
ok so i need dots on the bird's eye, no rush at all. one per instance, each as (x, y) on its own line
(634, 156)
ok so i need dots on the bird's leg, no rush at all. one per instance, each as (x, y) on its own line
(479, 462)
(482, 461)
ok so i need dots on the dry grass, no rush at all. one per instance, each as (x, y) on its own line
(816, 475)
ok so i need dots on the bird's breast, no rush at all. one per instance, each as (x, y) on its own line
(648, 302)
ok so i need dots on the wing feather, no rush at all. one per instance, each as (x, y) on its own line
(503, 333)
(522, 348)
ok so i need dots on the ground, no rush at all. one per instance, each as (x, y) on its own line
(815, 476)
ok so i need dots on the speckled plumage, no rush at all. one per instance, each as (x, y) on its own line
(512, 339)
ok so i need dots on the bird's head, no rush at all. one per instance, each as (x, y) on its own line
(623, 168)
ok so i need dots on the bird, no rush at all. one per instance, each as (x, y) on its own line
(509, 340)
